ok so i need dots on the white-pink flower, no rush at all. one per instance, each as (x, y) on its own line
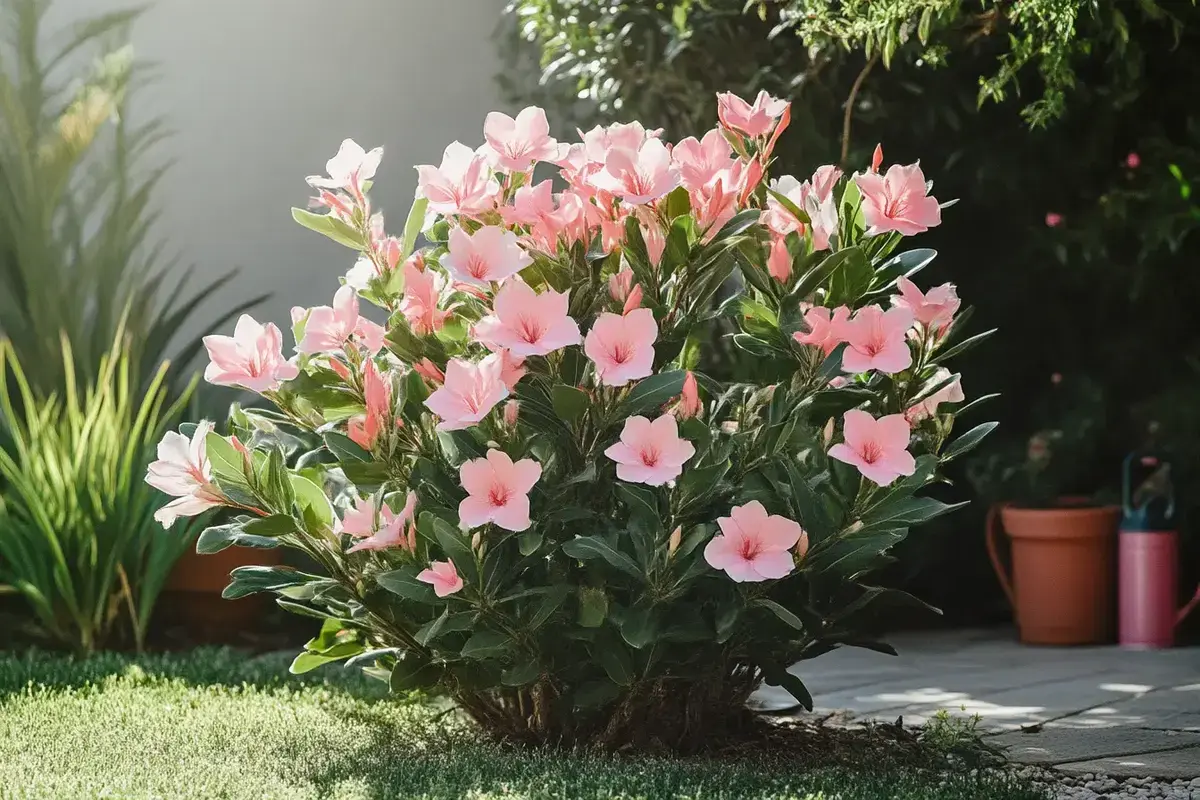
(349, 168)
(599, 141)
(469, 392)
(461, 185)
(755, 119)
(935, 309)
(491, 254)
(252, 358)
(528, 323)
(701, 161)
(650, 452)
(498, 491)
(877, 340)
(878, 448)
(516, 144)
(950, 393)
(443, 576)
(531, 204)
(754, 545)
(898, 201)
(373, 521)
(622, 346)
(420, 304)
(638, 176)
(825, 330)
(183, 472)
(327, 329)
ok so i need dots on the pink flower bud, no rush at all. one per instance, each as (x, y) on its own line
(802, 546)
(827, 434)
(674, 540)
(634, 300)
(511, 409)
(429, 371)
(1133, 161)
(1053, 220)
(476, 540)
(341, 369)
(877, 158)
(391, 252)
(689, 399)
(410, 542)
(620, 284)
(337, 205)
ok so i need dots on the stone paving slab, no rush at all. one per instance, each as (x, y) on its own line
(1167, 764)
(1065, 745)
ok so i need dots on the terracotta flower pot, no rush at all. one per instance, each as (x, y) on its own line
(1063, 571)
(192, 596)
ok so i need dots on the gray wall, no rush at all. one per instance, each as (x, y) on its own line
(261, 92)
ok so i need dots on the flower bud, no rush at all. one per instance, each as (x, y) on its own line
(429, 371)
(391, 252)
(511, 409)
(476, 540)
(620, 284)
(689, 399)
(411, 540)
(340, 368)
(802, 545)
(674, 540)
(877, 158)
(634, 300)
(828, 432)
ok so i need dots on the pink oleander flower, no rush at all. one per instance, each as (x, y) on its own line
(1053, 220)
(898, 201)
(715, 204)
(622, 346)
(656, 242)
(935, 309)
(701, 161)
(825, 330)
(689, 398)
(183, 472)
(778, 219)
(469, 392)
(531, 204)
(377, 393)
(512, 368)
(823, 216)
(528, 323)
(1133, 161)
(516, 144)
(422, 295)
(634, 300)
(349, 168)
(429, 371)
(599, 141)
(328, 329)
(638, 176)
(950, 393)
(443, 576)
(753, 545)
(878, 448)
(620, 283)
(650, 452)
(824, 181)
(512, 410)
(373, 521)
(877, 340)
(779, 260)
(490, 255)
(252, 358)
(461, 185)
(498, 491)
(752, 120)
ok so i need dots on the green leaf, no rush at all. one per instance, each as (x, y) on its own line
(788, 617)
(311, 499)
(775, 675)
(585, 548)
(523, 672)
(274, 525)
(904, 264)
(414, 672)
(551, 600)
(485, 644)
(639, 627)
(593, 606)
(569, 402)
(453, 543)
(614, 659)
(640, 499)
(412, 227)
(851, 279)
(809, 508)
(653, 392)
(431, 630)
(328, 225)
(249, 580)
(226, 461)
(306, 662)
(529, 541)
(218, 537)
(700, 482)
(791, 207)
(961, 347)
(968, 441)
(344, 448)
(905, 512)
(403, 582)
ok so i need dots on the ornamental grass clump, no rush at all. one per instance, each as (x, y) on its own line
(530, 496)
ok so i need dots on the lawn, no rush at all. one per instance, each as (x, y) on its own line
(215, 724)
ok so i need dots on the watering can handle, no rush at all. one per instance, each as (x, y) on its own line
(993, 529)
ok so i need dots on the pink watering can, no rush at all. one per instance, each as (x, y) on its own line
(1149, 557)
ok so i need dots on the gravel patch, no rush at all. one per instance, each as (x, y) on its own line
(1092, 785)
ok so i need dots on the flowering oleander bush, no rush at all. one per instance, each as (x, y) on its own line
(530, 496)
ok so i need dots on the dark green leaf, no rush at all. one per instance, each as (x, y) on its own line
(219, 537)
(523, 672)
(551, 600)
(485, 644)
(344, 448)
(653, 392)
(585, 548)
(968, 441)
(403, 582)
(775, 675)
(593, 606)
(569, 402)
(781, 612)
(274, 525)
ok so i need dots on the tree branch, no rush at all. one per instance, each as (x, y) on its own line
(849, 115)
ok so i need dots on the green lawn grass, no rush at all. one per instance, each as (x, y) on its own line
(214, 724)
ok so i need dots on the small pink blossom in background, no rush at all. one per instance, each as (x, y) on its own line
(490, 255)
(422, 296)
(1133, 161)
(329, 328)
(252, 358)
(779, 260)
(374, 522)
(1053, 219)
(950, 393)
(700, 161)
(826, 330)
(638, 176)
(877, 340)
(528, 323)
(512, 368)
(650, 452)
(935, 309)
(429, 371)
(443, 576)
(470, 391)
(498, 491)
(622, 346)
(878, 448)
(512, 410)
(620, 283)
(349, 168)
(877, 159)
(689, 398)
(898, 201)
(1056, 378)
(531, 204)
(755, 119)
(378, 395)
(516, 144)
(182, 471)
(754, 545)
(462, 184)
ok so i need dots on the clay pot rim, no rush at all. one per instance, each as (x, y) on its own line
(1011, 510)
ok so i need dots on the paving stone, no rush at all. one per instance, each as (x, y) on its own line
(1170, 764)
(1062, 745)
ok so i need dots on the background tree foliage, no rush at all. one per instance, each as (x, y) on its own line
(1022, 109)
